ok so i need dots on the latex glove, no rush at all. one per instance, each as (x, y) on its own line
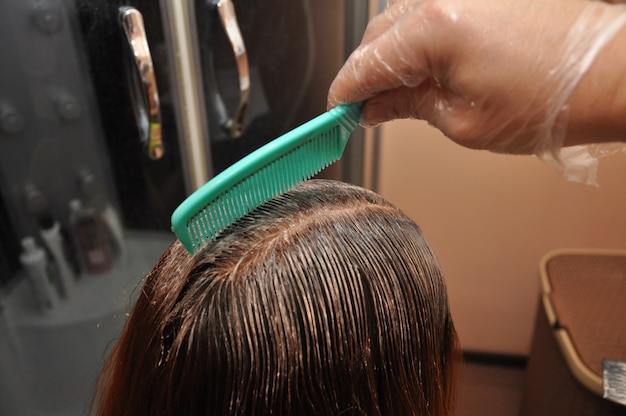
(490, 74)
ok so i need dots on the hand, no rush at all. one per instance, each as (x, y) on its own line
(491, 74)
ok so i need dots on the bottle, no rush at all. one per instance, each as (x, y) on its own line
(92, 238)
(114, 224)
(94, 196)
(34, 260)
(50, 232)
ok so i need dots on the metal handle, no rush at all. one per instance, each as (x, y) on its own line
(226, 12)
(144, 92)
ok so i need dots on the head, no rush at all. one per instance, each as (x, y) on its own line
(326, 300)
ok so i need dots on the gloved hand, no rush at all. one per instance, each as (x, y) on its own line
(494, 75)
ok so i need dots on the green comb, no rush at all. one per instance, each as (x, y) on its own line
(265, 173)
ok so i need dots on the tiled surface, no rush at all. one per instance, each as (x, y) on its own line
(489, 390)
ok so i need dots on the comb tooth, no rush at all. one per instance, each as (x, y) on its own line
(253, 191)
(310, 155)
(253, 188)
(213, 218)
(202, 228)
(250, 191)
(241, 201)
(245, 192)
(224, 211)
(261, 185)
(190, 232)
(320, 151)
(329, 146)
(231, 204)
(241, 204)
(236, 202)
(259, 188)
(219, 213)
(277, 185)
(268, 185)
(197, 230)
(193, 233)
(285, 174)
(258, 194)
(281, 175)
(193, 244)
(291, 178)
(207, 220)
(201, 224)
(213, 221)
(310, 161)
(208, 223)
(272, 185)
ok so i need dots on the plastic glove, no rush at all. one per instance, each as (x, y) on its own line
(489, 74)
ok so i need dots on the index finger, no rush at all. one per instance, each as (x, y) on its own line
(394, 59)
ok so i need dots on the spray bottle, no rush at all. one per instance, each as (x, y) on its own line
(35, 262)
(52, 236)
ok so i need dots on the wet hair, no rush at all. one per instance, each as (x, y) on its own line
(326, 300)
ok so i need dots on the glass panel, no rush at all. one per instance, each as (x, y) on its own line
(84, 208)
(86, 195)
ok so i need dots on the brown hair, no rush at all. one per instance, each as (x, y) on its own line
(326, 300)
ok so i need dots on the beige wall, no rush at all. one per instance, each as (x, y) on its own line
(490, 218)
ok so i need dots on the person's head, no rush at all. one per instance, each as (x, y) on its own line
(326, 300)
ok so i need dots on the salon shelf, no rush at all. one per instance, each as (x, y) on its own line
(56, 356)
(93, 296)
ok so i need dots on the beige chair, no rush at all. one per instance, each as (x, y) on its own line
(581, 323)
